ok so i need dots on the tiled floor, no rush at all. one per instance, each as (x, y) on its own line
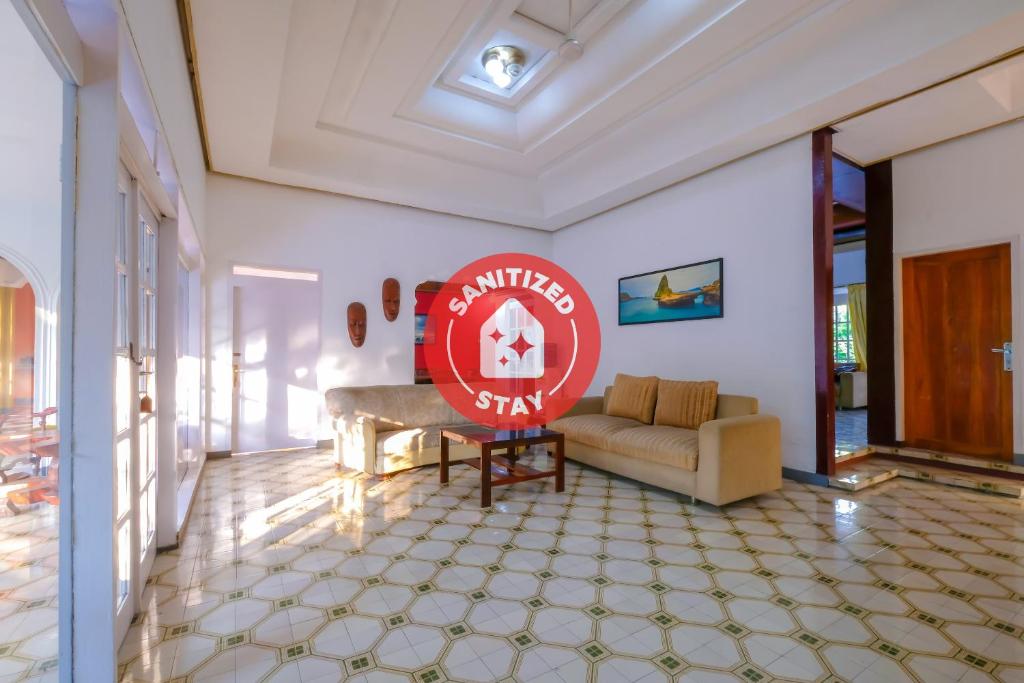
(291, 573)
(28, 595)
(28, 566)
(851, 430)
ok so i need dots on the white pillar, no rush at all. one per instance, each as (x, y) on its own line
(94, 643)
(166, 385)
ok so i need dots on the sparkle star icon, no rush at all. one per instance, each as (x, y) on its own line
(496, 335)
(504, 360)
(520, 345)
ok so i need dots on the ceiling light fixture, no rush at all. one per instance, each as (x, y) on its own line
(503, 64)
(571, 49)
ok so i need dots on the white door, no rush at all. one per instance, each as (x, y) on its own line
(277, 346)
(135, 430)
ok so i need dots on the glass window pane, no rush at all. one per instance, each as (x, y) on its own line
(152, 260)
(124, 560)
(151, 317)
(123, 474)
(122, 310)
(144, 522)
(122, 228)
(123, 393)
(151, 517)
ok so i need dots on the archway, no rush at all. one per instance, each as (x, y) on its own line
(17, 347)
(44, 355)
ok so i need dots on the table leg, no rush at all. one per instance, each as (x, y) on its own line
(512, 457)
(444, 459)
(485, 476)
(560, 464)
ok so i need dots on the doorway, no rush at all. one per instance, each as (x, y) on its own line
(849, 308)
(277, 402)
(33, 413)
(957, 360)
(423, 333)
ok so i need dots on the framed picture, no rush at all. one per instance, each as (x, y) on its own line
(424, 329)
(690, 292)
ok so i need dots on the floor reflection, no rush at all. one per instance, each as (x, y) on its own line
(291, 571)
(28, 545)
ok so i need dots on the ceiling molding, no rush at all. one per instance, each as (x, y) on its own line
(189, 44)
(665, 91)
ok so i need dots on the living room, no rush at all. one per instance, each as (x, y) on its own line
(511, 340)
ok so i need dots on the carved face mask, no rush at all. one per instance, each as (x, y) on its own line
(391, 297)
(357, 323)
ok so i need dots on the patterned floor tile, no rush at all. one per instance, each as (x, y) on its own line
(296, 572)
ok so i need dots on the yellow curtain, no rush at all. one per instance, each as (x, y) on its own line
(856, 301)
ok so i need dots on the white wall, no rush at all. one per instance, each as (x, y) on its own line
(30, 191)
(756, 213)
(355, 244)
(961, 194)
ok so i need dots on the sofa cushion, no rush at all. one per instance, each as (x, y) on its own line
(592, 430)
(657, 443)
(633, 397)
(685, 404)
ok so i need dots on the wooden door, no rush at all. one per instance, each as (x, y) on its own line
(956, 310)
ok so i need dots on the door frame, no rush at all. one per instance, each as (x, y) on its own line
(1017, 327)
(823, 243)
(878, 276)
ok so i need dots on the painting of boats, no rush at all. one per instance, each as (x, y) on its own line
(690, 292)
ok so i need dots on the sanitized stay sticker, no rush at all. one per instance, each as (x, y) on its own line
(516, 341)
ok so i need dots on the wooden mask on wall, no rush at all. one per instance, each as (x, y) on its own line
(357, 323)
(391, 297)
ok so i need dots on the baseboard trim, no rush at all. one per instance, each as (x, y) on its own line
(805, 477)
(217, 455)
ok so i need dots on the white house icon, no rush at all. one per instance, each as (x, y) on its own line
(512, 343)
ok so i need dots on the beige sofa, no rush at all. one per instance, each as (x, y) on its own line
(734, 456)
(384, 429)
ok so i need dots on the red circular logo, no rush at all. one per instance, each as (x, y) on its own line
(513, 341)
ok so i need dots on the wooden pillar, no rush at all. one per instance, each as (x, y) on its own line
(881, 313)
(823, 242)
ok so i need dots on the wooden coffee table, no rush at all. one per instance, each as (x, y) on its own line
(505, 464)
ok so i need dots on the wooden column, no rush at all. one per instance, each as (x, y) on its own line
(881, 305)
(823, 242)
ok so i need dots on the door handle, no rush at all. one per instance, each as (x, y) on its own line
(1007, 350)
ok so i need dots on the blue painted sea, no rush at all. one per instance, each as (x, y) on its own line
(648, 311)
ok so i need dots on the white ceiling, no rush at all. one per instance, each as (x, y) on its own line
(371, 98)
(979, 100)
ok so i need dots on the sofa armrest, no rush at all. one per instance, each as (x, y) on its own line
(588, 405)
(738, 457)
(355, 443)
